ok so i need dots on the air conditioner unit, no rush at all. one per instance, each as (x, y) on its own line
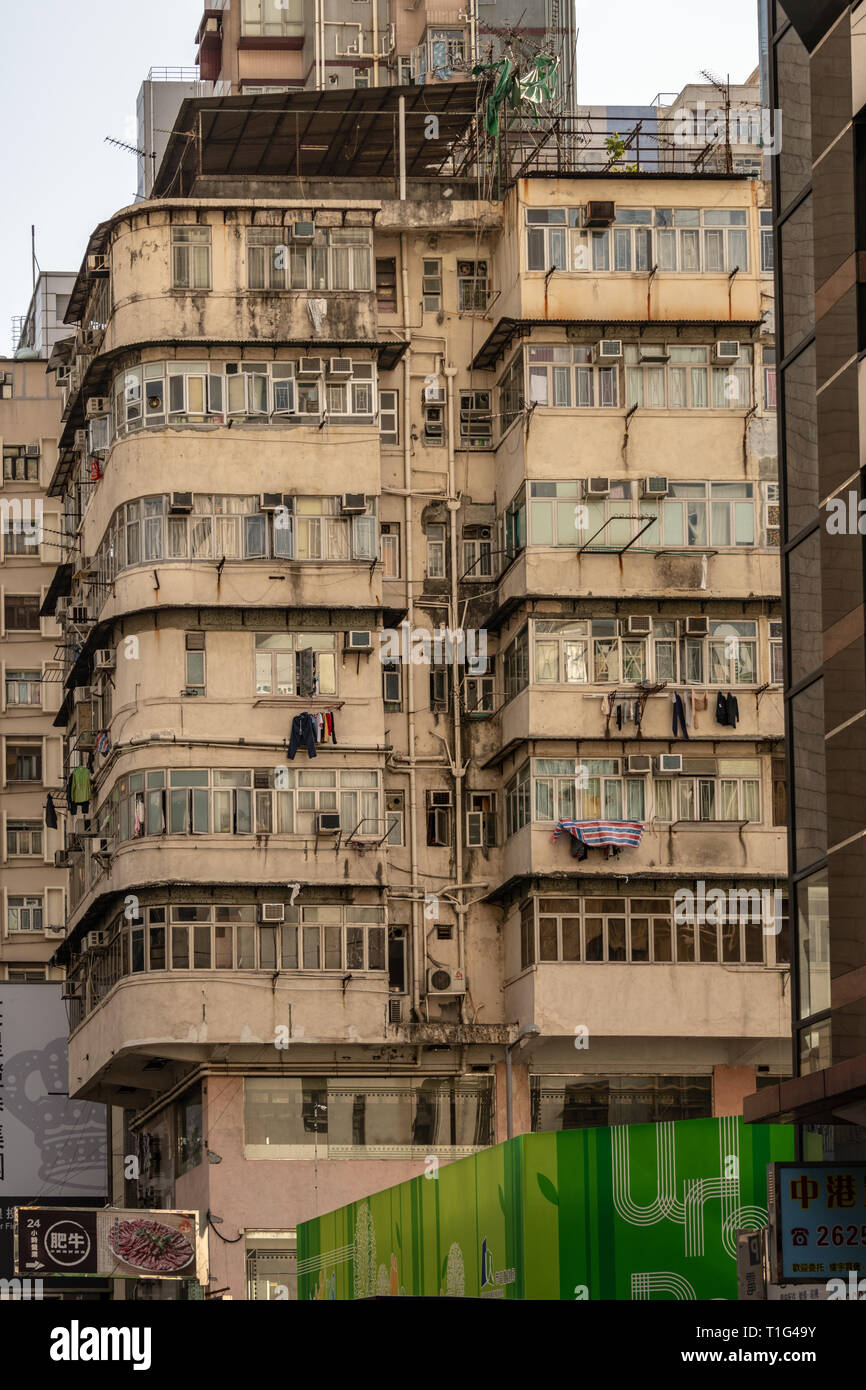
(60, 608)
(104, 659)
(654, 352)
(303, 231)
(61, 860)
(97, 265)
(608, 350)
(31, 451)
(96, 405)
(328, 822)
(310, 367)
(353, 503)
(697, 627)
(86, 740)
(272, 912)
(668, 764)
(270, 501)
(599, 214)
(640, 625)
(654, 487)
(340, 367)
(726, 350)
(639, 762)
(80, 441)
(90, 339)
(434, 395)
(95, 940)
(82, 695)
(180, 502)
(54, 931)
(359, 641)
(445, 980)
(597, 487)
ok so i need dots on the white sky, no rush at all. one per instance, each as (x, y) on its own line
(56, 171)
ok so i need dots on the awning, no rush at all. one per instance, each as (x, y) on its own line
(499, 340)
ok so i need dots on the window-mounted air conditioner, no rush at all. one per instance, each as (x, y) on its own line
(434, 395)
(328, 822)
(303, 231)
(310, 367)
(97, 265)
(654, 352)
(599, 214)
(726, 350)
(639, 625)
(105, 659)
(270, 501)
(61, 859)
(82, 694)
(272, 912)
(696, 627)
(180, 502)
(445, 980)
(608, 350)
(597, 487)
(95, 940)
(668, 764)
(639, 762)
(353, 503)
(359, 641)
(31, 451)
(654, 487)
(340, 367)
(96, 405)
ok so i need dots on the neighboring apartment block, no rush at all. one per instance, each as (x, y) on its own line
(817, 72)
(323, 883)
(250, 47)
(32, 889)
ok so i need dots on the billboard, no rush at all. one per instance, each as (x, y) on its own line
(632, 1212)
(817, 1216)
(107, 1243)
(50, 1146)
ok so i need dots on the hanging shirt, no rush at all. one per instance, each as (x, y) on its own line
(80, 788)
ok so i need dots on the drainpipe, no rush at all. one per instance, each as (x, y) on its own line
(401, 121)
(473, 30)
(375, 43)
(453, 608)
(531, 1030)
(417, 959)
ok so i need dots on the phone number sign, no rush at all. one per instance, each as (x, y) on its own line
(818, 1219)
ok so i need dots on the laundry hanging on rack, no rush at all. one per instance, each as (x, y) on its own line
(727, 710)
(50, 813)
(679, 715)
(600, 834)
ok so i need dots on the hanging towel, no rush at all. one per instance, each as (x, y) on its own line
(50, 813)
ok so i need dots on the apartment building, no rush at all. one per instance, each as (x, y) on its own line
(817, 81)
(349, 898)
(33, 889)
(249, 47)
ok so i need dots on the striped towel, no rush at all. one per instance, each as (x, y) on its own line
(598, 833)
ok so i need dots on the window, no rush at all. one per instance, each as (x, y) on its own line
(389, 417)
(512, 393)
(272, 1266)
(478, 692)
(517, 810)
(386, 284)
(769, 361)
(390, 549)
(300, 663)
(687, 240)
(516, 664)
(195, 667)
(480, 820)
(25, 974)
(439, 688)
(24, 914)
(361, 77)
(439, 818)
(712, 789)
(777, 655)
(272, 18)
(773, 515)
(431, 284)
(190, 258)
(447, 50)
(24, 837)
(386, 1117)
(767, 240)
(473, 286)
(23, 762)
(686, 382)
(404, 69)
(476, 421)
(601, 793)
(392, 686)
(582, 1102)
(21, 612)
(340, 258)
(436, 551)
(394, 817)
(5, 386)
(267, 257)
(477, 553)
(566, 376)
(19, 466)
(23, 688)
(708, 514)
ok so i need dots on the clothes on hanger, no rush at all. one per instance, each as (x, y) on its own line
(78, 790)
(679, 715)
(727, 710)
(50, 813)
(303, 732)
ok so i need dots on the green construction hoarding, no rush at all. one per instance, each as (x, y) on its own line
(630, 1212)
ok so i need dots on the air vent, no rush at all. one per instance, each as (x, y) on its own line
(600, 214)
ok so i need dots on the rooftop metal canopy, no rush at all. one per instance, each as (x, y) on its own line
(302, 134)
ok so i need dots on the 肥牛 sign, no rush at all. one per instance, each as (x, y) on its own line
(106, 1243)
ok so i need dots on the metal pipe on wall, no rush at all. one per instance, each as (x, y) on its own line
(417, 962)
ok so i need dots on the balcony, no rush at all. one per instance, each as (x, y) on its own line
(698, 574)
(618, 1000)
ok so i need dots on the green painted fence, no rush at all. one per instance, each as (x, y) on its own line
(630, 1212)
